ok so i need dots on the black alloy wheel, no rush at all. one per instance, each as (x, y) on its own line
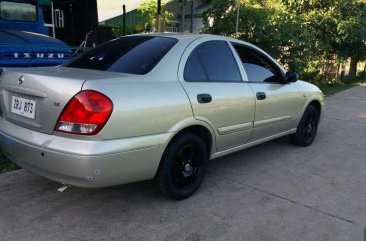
(311, 124)
(307, 128)
(183, 167)
(186, 167)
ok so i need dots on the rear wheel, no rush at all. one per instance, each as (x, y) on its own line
(307, 128)
(182, 167)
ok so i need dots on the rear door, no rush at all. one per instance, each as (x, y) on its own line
(277, 103)
(212, 79)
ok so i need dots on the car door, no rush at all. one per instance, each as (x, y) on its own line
(277, 103)
(213, 82)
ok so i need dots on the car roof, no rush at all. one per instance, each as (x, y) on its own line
(192, 37)
(187, 36)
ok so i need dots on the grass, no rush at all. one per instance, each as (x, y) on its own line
(335, 88)
(6, 165)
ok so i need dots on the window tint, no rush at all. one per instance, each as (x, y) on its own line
(194, 70)
(17, 11)
(212, 61)
(257, 69)
(133, 55)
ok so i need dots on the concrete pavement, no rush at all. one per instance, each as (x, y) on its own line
(275, 191)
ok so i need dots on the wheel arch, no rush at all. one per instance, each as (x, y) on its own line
(299, 138)
(317, 105)
(201, 130)
(316, 102)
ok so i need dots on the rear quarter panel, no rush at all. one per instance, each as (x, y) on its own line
(142, 106)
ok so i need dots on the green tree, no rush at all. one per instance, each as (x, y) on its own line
(337, 26)
(265, 24)
(352, 33)
(149, 11)
(307, 36)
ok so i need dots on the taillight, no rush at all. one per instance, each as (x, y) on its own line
(85, 114)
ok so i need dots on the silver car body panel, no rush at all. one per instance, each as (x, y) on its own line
(148, 112)
(280, 110)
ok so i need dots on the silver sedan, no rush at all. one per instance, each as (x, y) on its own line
(151, 106)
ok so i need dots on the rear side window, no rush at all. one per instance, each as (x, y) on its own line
(212, 61)
(132, 55)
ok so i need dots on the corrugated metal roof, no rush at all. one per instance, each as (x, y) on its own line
(44, 2)
(132, 18)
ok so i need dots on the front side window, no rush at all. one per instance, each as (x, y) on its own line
(131, 55)
(16, 11)
(257, 68)
(212, 61)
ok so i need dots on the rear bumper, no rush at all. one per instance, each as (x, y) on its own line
(83, 163)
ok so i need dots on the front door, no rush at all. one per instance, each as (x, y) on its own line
(277, 103)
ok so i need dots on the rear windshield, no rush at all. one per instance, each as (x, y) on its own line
(132, 55)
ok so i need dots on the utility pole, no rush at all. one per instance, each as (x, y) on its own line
(182, 24)
(237, 17)
(124, 19)
(159, 16)
(191, 28)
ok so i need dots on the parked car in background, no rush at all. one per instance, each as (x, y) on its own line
(152, 106)
(23, 37)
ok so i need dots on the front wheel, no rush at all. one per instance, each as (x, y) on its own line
(183, 167)
(307, 128)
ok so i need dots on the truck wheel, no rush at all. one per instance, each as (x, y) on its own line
(307, 128)
(183, 167)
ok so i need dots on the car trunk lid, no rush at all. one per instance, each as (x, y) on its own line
(34, 98)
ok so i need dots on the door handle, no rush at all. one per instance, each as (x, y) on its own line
(204, 98)
(261, 96)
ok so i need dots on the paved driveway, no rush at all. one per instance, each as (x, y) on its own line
(274, 191)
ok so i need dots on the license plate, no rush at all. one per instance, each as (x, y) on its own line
(23, 107)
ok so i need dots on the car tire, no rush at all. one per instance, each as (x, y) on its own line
(307, 128)
(183, 167)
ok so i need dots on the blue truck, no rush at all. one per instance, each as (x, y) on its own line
(24, 36)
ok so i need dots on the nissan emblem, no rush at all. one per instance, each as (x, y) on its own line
(21, 80)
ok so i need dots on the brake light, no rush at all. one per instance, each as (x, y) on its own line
(85, 114)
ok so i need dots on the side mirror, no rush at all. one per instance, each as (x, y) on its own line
(291, 77)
